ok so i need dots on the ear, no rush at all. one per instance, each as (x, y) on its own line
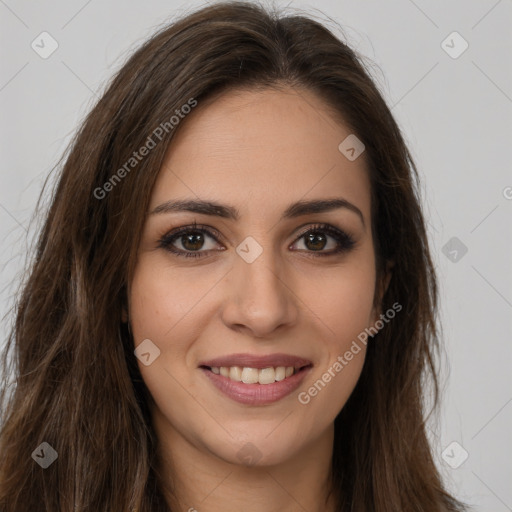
(124, 315)
(381, 289)
(387, 277)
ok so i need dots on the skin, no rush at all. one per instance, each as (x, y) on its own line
(244, 149)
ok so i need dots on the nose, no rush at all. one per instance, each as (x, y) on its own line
(258, 299)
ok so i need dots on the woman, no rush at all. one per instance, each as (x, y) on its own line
(232, 303)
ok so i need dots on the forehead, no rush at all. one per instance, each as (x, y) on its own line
(262, 149)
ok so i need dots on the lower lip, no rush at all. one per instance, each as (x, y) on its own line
(257, 394)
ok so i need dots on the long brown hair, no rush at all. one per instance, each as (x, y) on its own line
(77, 384)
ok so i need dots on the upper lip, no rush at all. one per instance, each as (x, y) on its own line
(255, 361)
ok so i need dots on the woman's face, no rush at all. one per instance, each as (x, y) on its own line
(266, 285)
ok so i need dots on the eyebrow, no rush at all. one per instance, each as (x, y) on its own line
(230, 212)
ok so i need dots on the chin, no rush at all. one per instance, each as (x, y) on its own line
(257, 448)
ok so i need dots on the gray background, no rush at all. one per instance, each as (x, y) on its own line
(456, 114)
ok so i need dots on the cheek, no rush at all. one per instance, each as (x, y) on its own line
(343, 305)
(166, 307)
(162, 301)
(342, 300)
(157, 315)
(333, 384)
(347, 314)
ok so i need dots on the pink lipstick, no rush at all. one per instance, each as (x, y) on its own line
(256, 380)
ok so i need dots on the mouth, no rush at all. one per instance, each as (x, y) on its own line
(250, 375)
(256, 380)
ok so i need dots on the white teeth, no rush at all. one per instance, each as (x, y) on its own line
(266, 376)
(254, 375)
(280, 373)
(235, 373)
(250, 375)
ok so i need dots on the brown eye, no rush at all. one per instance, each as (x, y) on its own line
(191, 239)
(316, 239)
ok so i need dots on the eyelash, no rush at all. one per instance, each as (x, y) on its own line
(345, 241)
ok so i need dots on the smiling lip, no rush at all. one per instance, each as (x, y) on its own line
(254, 361)
(257, 394)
